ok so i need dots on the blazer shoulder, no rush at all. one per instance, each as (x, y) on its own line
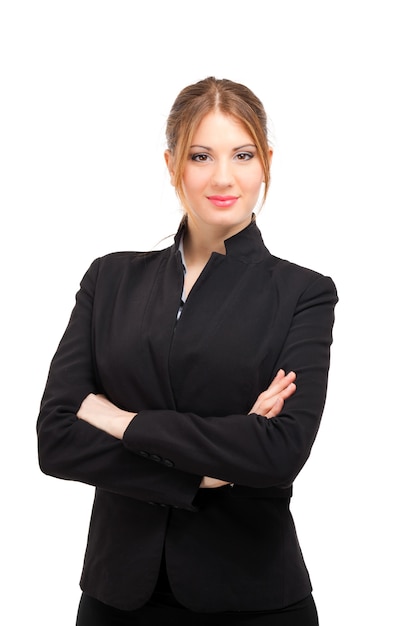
(300, 277)
(112, 267)
(121, 260)
(126, 257)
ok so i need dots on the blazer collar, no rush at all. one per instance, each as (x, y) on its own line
(247, 245)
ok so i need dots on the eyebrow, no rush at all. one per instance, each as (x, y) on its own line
(246, 145)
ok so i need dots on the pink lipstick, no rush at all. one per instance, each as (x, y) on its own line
(223, 201)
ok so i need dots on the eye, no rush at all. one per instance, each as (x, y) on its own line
(200, 157)
(244, 156)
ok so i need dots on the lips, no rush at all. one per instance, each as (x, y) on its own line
(223, 201)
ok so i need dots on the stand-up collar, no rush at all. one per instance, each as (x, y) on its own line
(247, 245)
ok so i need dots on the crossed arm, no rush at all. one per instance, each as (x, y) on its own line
(98, 411)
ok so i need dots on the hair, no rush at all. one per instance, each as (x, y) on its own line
(194, 102)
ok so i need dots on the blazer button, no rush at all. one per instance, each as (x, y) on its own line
(168, 462)
(155, 457)
(144, 453)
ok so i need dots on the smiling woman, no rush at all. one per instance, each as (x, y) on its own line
(173, 392)
(222, 177)
(221, 184)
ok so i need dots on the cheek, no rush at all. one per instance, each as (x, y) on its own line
(253, 181)
(195, 181)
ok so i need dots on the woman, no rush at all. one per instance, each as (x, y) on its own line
(173, 393)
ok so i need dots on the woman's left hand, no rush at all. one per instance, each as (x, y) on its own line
(98, 411)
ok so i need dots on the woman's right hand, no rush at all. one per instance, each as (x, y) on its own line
(270, 402)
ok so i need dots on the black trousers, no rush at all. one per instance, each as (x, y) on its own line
(91, 612)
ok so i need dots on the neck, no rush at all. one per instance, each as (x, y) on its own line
(197, 250)
(199, 243)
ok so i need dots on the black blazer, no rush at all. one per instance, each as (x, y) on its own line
(192, 383)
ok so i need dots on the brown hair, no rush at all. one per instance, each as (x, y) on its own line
(196, 101)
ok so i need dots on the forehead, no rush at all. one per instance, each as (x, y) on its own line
(218, 128)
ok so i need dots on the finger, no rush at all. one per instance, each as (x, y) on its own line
(287, 378)
(275, 405)
(288, 391)
(275, 409)
(282, 379)
(282, 383)
(278, 385)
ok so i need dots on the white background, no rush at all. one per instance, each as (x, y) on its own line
(86, 87)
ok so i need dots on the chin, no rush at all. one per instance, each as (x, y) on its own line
(229, 219)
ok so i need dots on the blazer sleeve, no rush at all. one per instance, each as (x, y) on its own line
(252, 450)
(72, 449)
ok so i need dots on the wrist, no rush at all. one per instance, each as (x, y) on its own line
(119, 424)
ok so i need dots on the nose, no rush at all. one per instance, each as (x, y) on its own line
(223, 173)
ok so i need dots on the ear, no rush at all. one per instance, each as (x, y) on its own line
(170, 165)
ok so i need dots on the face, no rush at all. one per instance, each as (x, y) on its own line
(223, 175)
